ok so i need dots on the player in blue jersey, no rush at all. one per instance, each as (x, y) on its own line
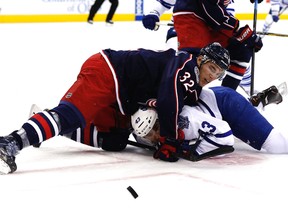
(108, 90)
(199, 22)
(220, 114)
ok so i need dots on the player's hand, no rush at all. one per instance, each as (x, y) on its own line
(246, 36)
(167, 153)
(149, 21)
(252, 1)
(169, 148)
(275, 15)
(275, 18)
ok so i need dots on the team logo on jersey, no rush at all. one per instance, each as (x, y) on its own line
(197, 73)
(183, 122)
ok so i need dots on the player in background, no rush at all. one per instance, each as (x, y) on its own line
(108, 90)
(208, 129)
(273, 16)
(153, 17)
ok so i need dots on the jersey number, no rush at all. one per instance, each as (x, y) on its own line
(207, 127)
(187, 82)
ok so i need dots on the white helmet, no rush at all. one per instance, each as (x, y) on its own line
(143, 121)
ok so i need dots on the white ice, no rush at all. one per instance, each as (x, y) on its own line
(39, 62)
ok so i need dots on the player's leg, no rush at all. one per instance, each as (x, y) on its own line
(93, 10)
(276, 143)
(111, 12)
(245, 83)
(40, 127)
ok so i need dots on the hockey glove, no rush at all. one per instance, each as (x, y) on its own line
(246, 36)
(168, 149)
(259, 1)
(149, 21)
(275, 18)
(115, 140)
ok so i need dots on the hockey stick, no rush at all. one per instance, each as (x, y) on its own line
(140, 145)
(164, 24)
(158, 24)
(272, 34)
(189, 152)
(253, 54)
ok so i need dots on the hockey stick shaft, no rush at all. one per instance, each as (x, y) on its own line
(164, 24)
(253, 54)
(190, 157)
(140, 145)
(272, 34)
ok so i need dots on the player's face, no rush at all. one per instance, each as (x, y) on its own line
(154, 134)
(209, 71)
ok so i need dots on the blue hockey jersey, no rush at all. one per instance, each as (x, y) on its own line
(144, 74)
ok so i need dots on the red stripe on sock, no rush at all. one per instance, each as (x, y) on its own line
(46, 126)
(237, 69)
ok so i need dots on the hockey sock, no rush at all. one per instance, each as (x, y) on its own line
(40, 127)
(246, 81)
(231, 82)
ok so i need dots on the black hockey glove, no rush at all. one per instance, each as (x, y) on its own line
(115, 140)
(259, 1)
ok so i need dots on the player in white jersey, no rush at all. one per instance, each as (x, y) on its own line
(220, 114)
(276, 9)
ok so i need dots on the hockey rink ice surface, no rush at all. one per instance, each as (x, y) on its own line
(39, 62)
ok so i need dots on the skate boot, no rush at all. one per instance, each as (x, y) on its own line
(8, 150)
(270, 95)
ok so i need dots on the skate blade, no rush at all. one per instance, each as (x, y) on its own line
(282, 89)
(4, 167)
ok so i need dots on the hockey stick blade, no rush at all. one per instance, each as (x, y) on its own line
(216, 152)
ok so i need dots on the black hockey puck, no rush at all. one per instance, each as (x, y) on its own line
(132, 191)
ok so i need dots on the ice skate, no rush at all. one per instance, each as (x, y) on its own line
(109, 23)
(8, 150)
(270, 95)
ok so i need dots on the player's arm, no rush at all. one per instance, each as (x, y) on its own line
(178, 85)
(160, 6)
